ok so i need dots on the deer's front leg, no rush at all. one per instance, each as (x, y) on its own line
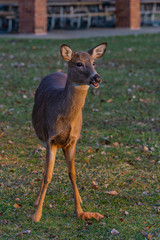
(50, 160)
(70, 155)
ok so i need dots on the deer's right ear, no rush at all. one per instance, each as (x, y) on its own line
(66, 52)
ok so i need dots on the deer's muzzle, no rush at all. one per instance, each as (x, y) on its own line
(95, 80)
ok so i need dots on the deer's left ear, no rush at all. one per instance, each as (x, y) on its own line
(98, 51)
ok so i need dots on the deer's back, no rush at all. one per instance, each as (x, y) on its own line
(47, 93)
(52, 81)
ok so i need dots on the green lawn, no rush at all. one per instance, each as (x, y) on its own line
(119, 147)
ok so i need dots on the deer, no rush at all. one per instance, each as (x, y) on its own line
(57, 117)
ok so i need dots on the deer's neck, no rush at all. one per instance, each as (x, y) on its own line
(75, 95)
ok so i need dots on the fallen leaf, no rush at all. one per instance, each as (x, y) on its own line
(89, 223)
(26, 231)
(109, 100)
(124, 212)
(42, 148)
(147, 100)
(138, 159)
(95, 109)
(90, 150)
(10, 142)
(103, 153)
(112, 192)
(94, 185)
(89, 215)
(106, 141)
(114, 231)
(121, 219)
(105, 122)
(17, 205)
(115, 144)
(145, 149)
(145, 193)
(17, 199)
(150, 236)
(144, 233)
(1, 134)
(147, 227)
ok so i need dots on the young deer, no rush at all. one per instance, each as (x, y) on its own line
(57, 116)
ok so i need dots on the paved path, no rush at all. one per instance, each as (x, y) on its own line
(86, 33)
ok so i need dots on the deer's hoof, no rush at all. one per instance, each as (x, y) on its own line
(36, 217)
(89, 215)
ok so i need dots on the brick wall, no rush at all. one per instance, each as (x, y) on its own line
(128, 13)
(32, 16)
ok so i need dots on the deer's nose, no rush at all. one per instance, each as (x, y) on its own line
(96, 78)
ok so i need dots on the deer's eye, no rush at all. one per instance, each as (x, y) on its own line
(79, 64)
(94, 64)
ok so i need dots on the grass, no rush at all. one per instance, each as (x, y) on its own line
(119, 148)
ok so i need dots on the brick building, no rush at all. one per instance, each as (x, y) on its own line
(33, 15)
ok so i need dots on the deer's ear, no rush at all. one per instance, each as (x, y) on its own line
(66, 52)
(98, 51)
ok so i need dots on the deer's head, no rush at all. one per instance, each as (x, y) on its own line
(81, 65)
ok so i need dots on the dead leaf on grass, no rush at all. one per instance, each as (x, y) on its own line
(1, 134)
(109, 100)
(94, 185)
(88, 215)
(147, 100)
(114, 231)
(95, 109)
(112, 192)
(116, 144)
(124, 212)
(145, 149)
(138, 159)
(103, 153)
(26, 231)
(17, 205)
(42, 148)
(150, 236)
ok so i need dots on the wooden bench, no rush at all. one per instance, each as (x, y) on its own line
(76, 13)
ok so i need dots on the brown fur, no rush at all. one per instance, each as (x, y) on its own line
(57, 116)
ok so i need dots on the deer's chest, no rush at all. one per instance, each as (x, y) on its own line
(67, 131)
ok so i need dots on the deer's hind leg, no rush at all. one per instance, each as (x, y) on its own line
(37, 200)
(50, 160)
(42, 184)
(69, 153)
